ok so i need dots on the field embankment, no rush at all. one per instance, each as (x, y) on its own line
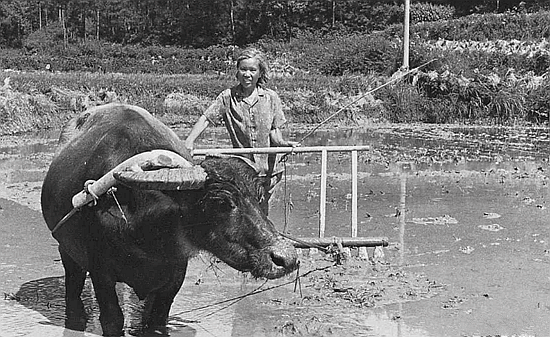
(37, 100)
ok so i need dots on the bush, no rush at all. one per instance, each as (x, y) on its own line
(366, 17)
(405, 103)
(469, 81)
(99, 56)
(336, 54)
(538, 104)
(479, 99)
(360, 54)
(41, 41)
(507, 26)
(427, 12)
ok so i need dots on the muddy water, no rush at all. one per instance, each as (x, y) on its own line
(470, 256)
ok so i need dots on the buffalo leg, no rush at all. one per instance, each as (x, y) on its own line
(111, 317)
(75, 277)
(158, 303)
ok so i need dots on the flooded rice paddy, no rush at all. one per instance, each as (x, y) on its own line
(465, 211)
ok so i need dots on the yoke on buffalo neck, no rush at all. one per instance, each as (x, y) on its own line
(156, 169)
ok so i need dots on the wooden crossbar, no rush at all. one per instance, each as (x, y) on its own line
(300, 149)
(346, 242)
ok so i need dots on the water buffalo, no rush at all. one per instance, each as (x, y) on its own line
(163, 211)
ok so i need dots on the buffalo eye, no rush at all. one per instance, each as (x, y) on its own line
(218, 204)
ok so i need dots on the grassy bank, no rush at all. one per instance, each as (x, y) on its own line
(39, 100)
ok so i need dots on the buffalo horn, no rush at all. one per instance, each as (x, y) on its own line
(182, 178)
(142, 161)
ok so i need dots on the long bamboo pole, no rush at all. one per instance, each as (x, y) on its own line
(403, 210)
(392, 80)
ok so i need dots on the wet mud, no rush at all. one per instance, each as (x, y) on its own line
(468, 253)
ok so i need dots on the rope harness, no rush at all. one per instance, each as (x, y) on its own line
(87, 189)
(92, 203)
(112, 192)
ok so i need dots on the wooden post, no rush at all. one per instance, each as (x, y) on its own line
(323, 195)
(353, 194)
(232, 19)
(403, 209)
(333, 13)
(97, 25)
(62, 13)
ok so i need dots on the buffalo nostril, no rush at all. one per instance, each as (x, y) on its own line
(287, 261)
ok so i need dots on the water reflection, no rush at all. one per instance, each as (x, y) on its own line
(384, 323)
(46, 297)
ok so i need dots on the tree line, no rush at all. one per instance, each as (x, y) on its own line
(200, 23)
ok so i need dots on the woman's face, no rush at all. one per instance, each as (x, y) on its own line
(248, 73)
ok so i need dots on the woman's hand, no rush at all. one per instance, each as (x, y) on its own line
(290, 143)
(189, 145)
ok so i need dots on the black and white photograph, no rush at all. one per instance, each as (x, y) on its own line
(274, 168)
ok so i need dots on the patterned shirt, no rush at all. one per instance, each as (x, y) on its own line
(248, 120)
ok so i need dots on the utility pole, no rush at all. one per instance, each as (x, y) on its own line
(62, 13)
(405, 65)
(333, 13)
(232, 17)
(40, 15)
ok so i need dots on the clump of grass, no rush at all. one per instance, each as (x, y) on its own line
(21, 112)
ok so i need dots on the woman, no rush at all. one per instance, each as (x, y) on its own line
(252, 114)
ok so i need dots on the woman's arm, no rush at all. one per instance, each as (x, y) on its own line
(198, 128)
(276, 137)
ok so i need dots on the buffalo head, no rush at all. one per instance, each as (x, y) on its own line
(237, 231)
(225, 217)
